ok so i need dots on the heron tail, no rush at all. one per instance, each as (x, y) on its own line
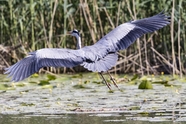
(103, 64)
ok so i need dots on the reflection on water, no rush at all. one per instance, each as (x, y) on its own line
(77, 119)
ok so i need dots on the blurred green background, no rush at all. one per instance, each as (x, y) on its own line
(29, 25)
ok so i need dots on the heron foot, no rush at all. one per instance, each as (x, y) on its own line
(107, 84)
(113, 80)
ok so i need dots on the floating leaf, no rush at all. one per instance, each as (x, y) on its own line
(35, 75)
(33, 82)
(134, 108)
(20, 84)
(23, 92)
(168, 85)
(110, 91)
(145, 84)
(27, 104)
(144, 113)
(78, 76)
(79, 86)
(11, 88)
(85, 82)
(160, 82)
(44, 82)
(165, 100)
(97, 82)
(3, 87)
(48, 87)
(51, 77)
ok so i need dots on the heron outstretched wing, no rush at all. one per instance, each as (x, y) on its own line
(43, 58)
(120, 38)
(125, 34)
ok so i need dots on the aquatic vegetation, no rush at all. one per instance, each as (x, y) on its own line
(145, 84)
(69, 94)
(51, 77)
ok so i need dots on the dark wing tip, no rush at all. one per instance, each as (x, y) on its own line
(21, 69)
(162, 13)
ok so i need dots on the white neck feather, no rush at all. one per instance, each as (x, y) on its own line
(78, 42)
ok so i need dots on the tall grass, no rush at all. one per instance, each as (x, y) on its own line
(38, 24)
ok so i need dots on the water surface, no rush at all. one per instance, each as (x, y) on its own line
(83, 98)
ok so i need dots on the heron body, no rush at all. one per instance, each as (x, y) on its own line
(99, 57)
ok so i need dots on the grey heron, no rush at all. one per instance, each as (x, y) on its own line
(76, 34)
(99, 57)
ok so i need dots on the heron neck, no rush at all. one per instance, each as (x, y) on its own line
(78, 43)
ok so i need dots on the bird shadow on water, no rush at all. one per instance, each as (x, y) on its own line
(85, 99)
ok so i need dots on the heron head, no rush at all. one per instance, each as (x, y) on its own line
(75, 33)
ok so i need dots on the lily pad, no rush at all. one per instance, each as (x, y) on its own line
(3, 86)
(51, 77)
(35, 75)
(20, 84)
(77, 76)
(27, 104)
(48, 87)
(145, 84)
(160, 82)
(43, 82)
(79, 86)
(97, 82)
(134, 108)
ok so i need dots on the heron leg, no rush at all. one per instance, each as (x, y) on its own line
(113, 80)
(108, 85)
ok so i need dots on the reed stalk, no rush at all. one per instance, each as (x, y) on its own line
(39, 24)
